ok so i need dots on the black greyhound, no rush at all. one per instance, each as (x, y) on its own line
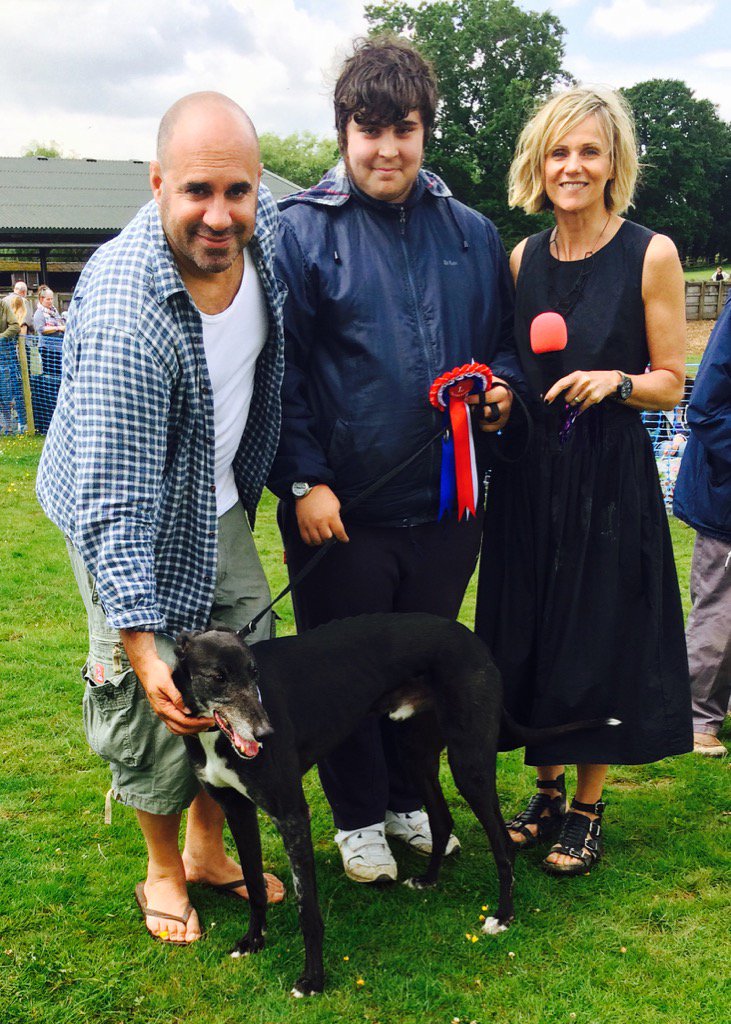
(286, 703)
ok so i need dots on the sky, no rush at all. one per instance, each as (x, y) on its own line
(96, 75)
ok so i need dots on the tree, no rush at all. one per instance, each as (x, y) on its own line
(685, 151)
(48, 149)
(301, 157)
(493, 62)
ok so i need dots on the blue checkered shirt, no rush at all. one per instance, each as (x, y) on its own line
(127, 470)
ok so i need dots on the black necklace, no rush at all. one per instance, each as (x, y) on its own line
(565, 302)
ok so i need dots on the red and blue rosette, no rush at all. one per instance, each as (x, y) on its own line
(459, 484)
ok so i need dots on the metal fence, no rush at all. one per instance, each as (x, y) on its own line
(669, 434)
(30, 376)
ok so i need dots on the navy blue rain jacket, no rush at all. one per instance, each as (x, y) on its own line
(383, 298)
(703, 488)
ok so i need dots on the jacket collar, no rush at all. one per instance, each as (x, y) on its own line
(335, 188)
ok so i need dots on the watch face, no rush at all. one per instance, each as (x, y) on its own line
(300, 489)
(624, 390)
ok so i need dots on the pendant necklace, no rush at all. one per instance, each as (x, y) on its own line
(564, 303)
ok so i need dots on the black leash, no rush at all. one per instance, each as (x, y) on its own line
(325, 547)
(495, 448)
(371, 489)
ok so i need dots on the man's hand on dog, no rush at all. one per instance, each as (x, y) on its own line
(157, 682)
(318, 517)
(493, 406)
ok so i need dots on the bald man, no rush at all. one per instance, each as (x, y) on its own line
(20, 288)
(165, 429)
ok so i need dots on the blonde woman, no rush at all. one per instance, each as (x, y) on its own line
(12, 408)
(578, 595)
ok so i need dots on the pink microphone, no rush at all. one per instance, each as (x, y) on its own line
(548, 333)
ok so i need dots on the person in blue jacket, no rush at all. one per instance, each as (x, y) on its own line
(703, 500)
(392, 282)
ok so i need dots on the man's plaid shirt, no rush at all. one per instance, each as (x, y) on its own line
(127, 470)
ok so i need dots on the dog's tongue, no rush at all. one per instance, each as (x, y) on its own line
(250, 748)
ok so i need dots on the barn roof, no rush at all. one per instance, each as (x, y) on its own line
(52, 201)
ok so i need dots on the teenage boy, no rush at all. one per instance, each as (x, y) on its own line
(391, 283)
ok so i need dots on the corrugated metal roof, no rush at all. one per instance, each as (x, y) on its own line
(39, 195)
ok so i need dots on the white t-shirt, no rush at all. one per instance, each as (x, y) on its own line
(232, 341)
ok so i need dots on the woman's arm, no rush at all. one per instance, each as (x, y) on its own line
(516, 258)
(663, 295)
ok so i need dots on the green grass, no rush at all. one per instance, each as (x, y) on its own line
(640, 940)
(704, 273)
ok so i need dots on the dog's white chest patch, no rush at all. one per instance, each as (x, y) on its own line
(215, 771)
(402, 712)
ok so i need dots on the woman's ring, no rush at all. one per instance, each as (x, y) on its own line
(577, 401)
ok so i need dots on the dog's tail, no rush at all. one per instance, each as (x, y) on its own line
(513, 735)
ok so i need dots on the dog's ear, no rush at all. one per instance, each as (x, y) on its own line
(182, 642)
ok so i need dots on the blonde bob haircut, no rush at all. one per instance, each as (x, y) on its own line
(555, 119)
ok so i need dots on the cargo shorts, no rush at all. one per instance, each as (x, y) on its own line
(150, 768)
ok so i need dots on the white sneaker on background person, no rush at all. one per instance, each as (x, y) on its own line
(412, 828)
(366, 854)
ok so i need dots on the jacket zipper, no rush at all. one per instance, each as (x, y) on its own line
(420, 326)
(412, 285)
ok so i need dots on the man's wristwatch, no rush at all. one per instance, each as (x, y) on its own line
(301, 489)
(624, 388)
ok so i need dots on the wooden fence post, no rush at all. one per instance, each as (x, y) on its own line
(23, 360)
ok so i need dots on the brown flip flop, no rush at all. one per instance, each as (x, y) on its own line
(229, 888)
(149, 912)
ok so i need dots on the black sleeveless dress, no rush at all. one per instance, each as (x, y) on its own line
(578, 596)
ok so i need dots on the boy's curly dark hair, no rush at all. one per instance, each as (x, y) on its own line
(381, 82)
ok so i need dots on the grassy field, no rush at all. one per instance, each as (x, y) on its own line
(704, 273)
(640, 939)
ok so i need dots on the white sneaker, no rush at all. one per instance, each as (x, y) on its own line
(366, 854)
(412, 827)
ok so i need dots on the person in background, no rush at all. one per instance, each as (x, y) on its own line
(47, 319)
(20, 290)
(50, 326)
(578, 598)
(703, 500)
(166, 426)
(11, 395)
(391, 283)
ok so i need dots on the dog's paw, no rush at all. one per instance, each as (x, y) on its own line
(307, 986)
(249, 944)
(494, 926)
(419, 882)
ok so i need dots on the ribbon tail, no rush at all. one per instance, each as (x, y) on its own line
(464, 458)
(447, 481)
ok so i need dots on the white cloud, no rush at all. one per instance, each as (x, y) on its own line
(617, 74)
(628, 19)
(101, 74)
(716, 59)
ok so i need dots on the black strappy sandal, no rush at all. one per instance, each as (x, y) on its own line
(580, 838)
(547, 825)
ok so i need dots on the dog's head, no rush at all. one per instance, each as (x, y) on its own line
(217, 676)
